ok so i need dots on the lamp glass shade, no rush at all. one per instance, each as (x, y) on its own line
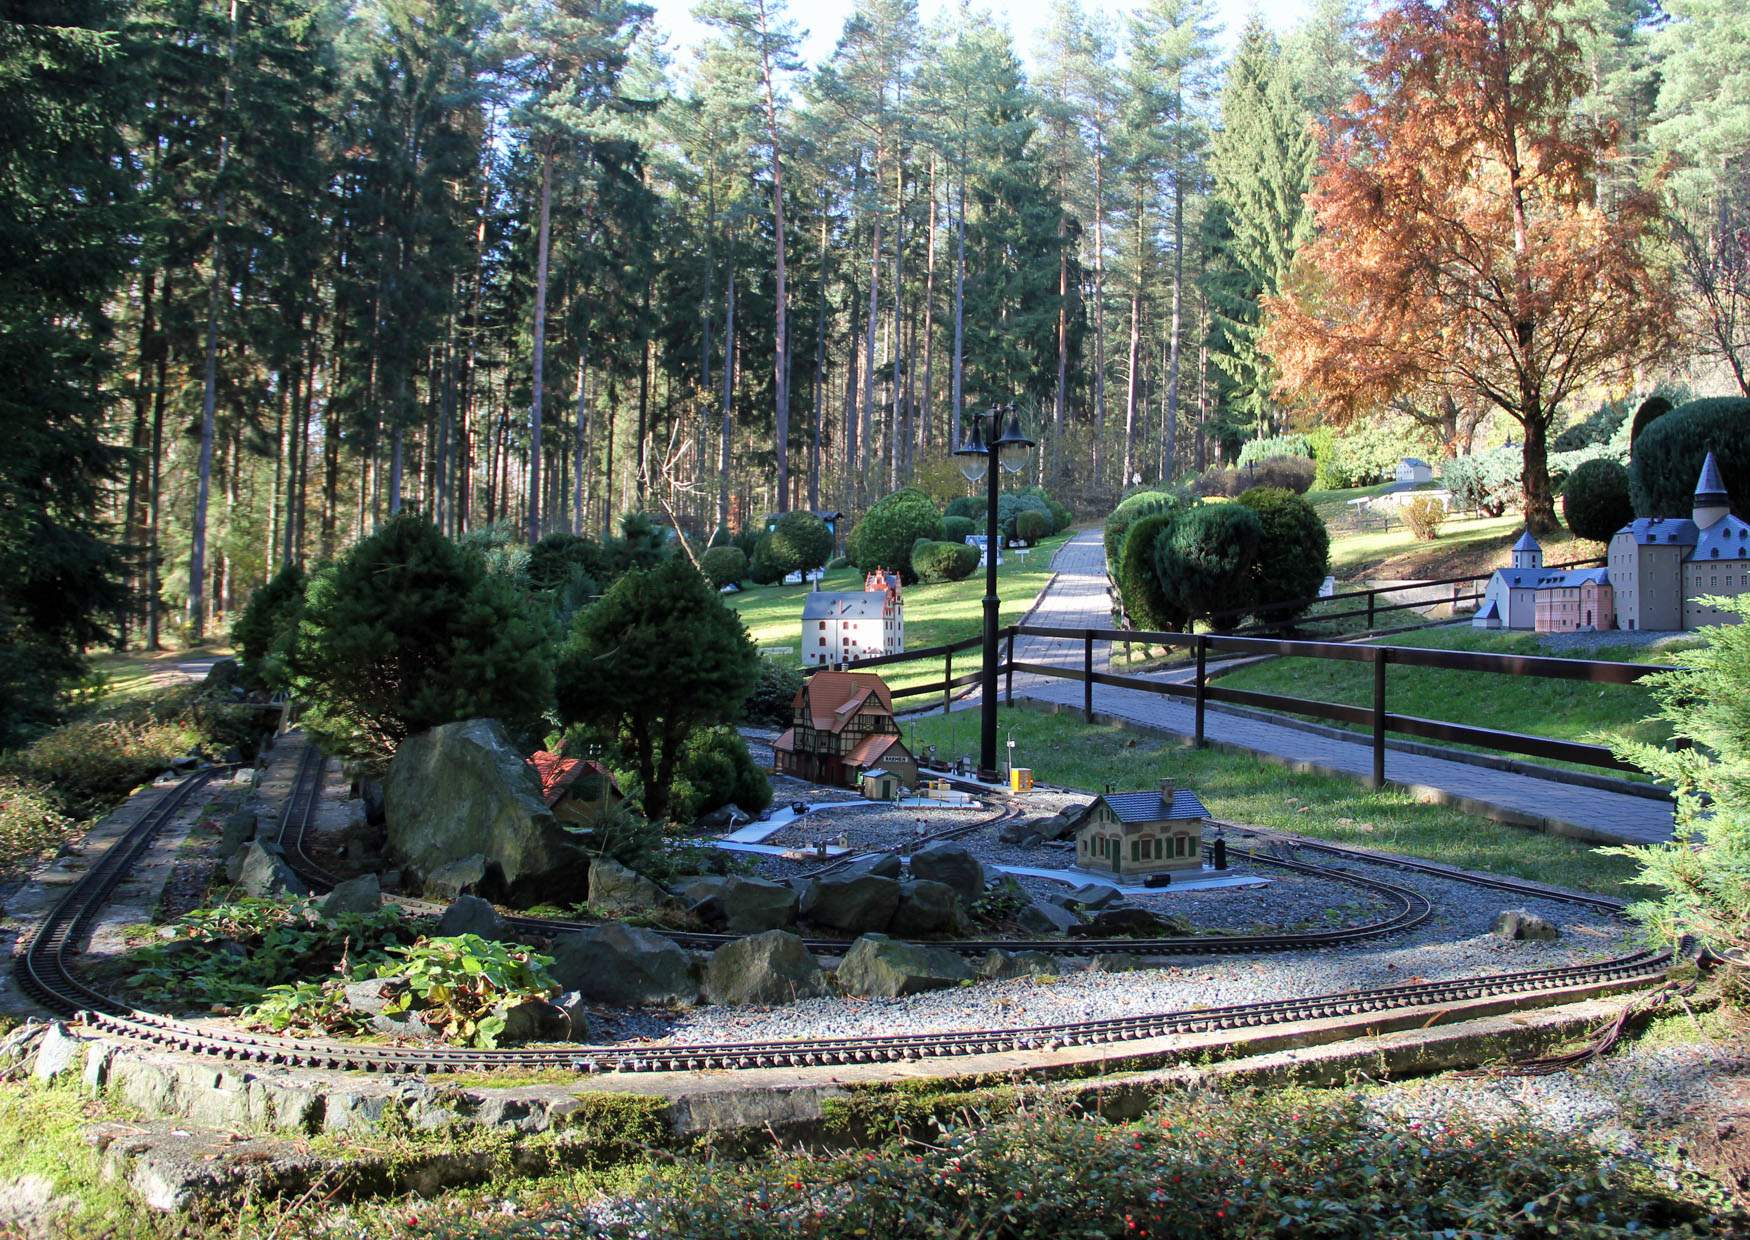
(973, 453)
(1013, 447)
(972, 468)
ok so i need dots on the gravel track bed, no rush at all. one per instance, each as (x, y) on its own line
(1455, 942)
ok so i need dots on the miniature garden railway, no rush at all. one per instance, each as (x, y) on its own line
(44, 972)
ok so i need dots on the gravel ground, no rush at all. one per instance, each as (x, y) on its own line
(1455, 942)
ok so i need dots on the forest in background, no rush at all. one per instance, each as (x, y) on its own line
(276, 269)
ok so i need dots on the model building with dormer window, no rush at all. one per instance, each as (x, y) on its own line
(1141, 833)
(838, 626)
(843, 725)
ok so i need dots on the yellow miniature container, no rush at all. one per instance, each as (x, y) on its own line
(1021, 779)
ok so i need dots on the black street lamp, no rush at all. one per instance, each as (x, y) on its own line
(991, 442)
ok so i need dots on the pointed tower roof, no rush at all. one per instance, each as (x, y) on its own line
(1527, 542)
(1710, 486)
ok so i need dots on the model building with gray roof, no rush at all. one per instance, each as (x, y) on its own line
(838, 626)
(1141, 833)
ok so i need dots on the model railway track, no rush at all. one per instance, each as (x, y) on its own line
(43, 971)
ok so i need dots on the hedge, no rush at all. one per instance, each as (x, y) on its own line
(1668, 456)
(1146, 605)
(957, 529)
(1131, 509)
(1595, 500)
(884, 537)
(943, 561)
(1031, 526)
(1206, 561)
(1294, 554)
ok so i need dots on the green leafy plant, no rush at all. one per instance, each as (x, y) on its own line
(1294, 553)
(723, 566)
(264, 633)
(1131, 509)
(1205, 561)
(1424, 516)
(462, 987)
(1146, 605)
(1668, 455)
(1268, 447)
(1487, 481)
(772, 701)
(957, 529)
(1031, 526)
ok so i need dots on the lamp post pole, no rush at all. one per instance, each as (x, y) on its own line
(991, 448)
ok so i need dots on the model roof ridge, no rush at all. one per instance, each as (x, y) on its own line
(1527, 542)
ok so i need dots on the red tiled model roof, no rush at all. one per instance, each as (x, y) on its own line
(872, 750)
(834, 698)
(786, 742)
(557, 773)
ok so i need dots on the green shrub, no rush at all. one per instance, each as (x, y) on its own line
(268, 626)
(407, 632)
(1425, 515)
(1257, 451)
(721, 537)
(943, 561)
(1010, 506)
(658, 657)
(1030, 527)
(561, 561)
(1668, 456)
(1295, 553)
(1061, 517)
(800, 541)
(772, 701)
(1487, 481)
(957, 529)
(497, 547)
(769, 565)
(884, 537)
(716, 770)
(32, 825)
(1146, 605)
(747, 541)
(1595, 500)
(723, 566)
(969, 506)
(1600, 428)
(1652, 409)
(1703, 873)
(1130, 509)
(1206, 562)
(644, 542)
(1367, 452)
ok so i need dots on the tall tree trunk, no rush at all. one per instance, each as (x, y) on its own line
(1173, 346)
(155, 487)
(896, 427)
(642, 458)
(868, 414)
(781, 356)
(925, 413)
(819, 365)
(1099, 299)
(724, 425)
(1131, 395)
(847, 483)
(542, 247)
(1059, 404)
(134, 522)
(957, 368)
(300, 499)
(278, 539)
(580, 446)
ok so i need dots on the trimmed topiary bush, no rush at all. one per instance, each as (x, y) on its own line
(1131, 509)
(1295, 552)
(1146, 605)
(767, 565)
(1061, 516)
(1010, 505)
(264, 633)
(1031, 526)
(1206, 562)
(884, 537)
(803, 538)
(723, 566)
(1652, 409)
(1595, 500)
(957, 529)
(970, 506)
(943, 561)
(1668, 456)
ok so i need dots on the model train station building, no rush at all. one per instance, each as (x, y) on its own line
(1658, 570)
(838, 626)
(842, 725)
(1141, 833)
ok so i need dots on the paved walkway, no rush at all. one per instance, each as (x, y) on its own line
(1077, 599)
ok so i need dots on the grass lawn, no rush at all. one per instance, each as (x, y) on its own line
(1062, 749)
(934, 614)
(1563, 709)
(118, 677)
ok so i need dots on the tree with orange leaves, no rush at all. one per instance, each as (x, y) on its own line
(1459, 246)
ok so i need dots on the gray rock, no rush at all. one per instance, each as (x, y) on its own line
(1043, 917)
(692, 888)
(878, 966)
(535, 1020)
(950, 863)
(615, 889)
(371, 996)
(926, 907)
(1519, 924)
(576, 1009)
(355, 813)
(1128, 919)
(1057, 827)
(999, 965)
(881, 865)
(463, 791)
(1116, 962)
(56, 1052)
(854, 905)
(371, 793)
(261, 873)
(769, 968)
(751, 905)
(355, 895)
(223, 674)
(453, 878)
(237, 830)
(471, 915)
(1088, 895)
(617, 963)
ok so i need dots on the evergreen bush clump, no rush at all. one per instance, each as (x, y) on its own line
(1600, 428)
(1146, 605)
(957, 529)
(884, 537)
(774, 694)
(717, 770)
(1264, 448)
(1061, 516)
(723, 566)
(1030, 526)
(407, 632)
(1668, 456)
(1486, 481)
(1130, 509)
(1206, 562)
(943, 561)
(969, 506)
(1294, 553)
(264, 633)
(1595, 500)
(768, 565)
(562, 561)
(801, 541)
(1010, 506)
(1652, 409)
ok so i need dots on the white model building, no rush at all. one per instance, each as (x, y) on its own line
(838, 626)
(1413, 469)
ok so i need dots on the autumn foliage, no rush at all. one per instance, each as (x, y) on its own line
(1460, 249)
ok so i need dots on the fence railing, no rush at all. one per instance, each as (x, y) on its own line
(1200, 690)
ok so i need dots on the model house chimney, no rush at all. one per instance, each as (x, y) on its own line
(1166, 792)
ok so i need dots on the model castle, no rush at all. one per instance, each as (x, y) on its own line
(838, 626)
(1658, 572)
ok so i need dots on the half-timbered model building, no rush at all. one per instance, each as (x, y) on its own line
(842, 725)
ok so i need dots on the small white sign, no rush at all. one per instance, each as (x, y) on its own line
(979, 540)
(793, 579)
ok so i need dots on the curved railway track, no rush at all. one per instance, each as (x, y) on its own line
(43, 971)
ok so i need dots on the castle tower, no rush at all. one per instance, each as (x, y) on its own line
(1712, 505)
(1526, 552)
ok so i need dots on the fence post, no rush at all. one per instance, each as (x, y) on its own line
(1202, 687)
(1371, 595)
(1088, 675)
(1379, 716)
(1009, 671)
(947, 683)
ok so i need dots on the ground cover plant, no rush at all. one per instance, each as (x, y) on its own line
(1243, 788)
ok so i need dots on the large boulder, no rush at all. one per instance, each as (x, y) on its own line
(751, 905)
(999, 965)
(1129, 920)
(881, 967)
(769, 968)
(950, 863)
(1044, 917)
(536, 1020)
(356, 895)
(260, 872)
(462, 791)
(1515, 923)
(854, 905)
(471, 915)
(881, 865)
(616, 963)
(615, 889)
(925, 907)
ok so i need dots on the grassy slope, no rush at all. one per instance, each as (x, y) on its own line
(934, 614)
(1063, 750)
